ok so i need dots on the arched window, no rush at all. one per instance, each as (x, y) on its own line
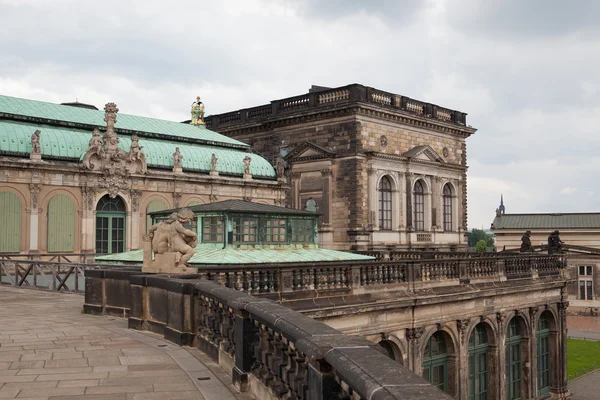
(419, 206)
(447, 198)
(10, 228)
(61, 224)
(513, 360)
(110, 225)
(385, 203)
(543, 354)
(310, 205)
(154, 205)
(435, 361)
(478, 364)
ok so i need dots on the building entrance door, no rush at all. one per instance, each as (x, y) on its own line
(110, 225)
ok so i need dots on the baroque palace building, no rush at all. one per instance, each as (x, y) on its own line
(387, 172)
(75, 179)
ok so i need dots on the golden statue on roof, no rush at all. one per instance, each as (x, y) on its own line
(197, 112)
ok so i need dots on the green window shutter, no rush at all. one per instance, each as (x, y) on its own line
(61, 224)
(10, 225)
(154, 205)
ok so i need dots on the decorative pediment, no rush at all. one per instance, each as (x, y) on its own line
(309, 151)
(425, 153)
(103, 153)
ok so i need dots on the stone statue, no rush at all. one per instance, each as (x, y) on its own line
(95, 144)
(177, 157)
(36, 150)
(135, 150)
(247, 161)
(170, 236)
(213, 163)
(279, 167)
(554, 243)
(526, 243)
(197, 112)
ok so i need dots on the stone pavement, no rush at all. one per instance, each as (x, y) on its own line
(50, 351)
(586, 387)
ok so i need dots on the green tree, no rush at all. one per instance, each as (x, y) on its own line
(481, 246)
(478, 234)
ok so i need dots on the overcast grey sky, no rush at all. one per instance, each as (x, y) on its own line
(527, 72)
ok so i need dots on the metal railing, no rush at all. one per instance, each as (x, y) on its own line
(56, 257)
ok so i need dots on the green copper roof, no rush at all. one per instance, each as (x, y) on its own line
(213, 256)
(68, 115)
(71, 144)
(549, 221)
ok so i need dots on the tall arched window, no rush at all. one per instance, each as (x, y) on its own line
(447, 198)
(385, 203)
(419, 206)
(10, 228)
(435, 361)
(61, 224)
(478, 364)
(543, 354)
(513, 360)
(110, 225)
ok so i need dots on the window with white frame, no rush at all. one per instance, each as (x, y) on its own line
(419, 206)
(447, 199)
(586, 282)
(385, 203)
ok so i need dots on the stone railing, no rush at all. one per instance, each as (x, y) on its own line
(336, 96)
(268, 350)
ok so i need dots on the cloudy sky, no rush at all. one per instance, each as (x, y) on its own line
(526, 72)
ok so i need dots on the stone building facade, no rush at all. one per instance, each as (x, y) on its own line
(75, 179)
(580, 233)
(386, 172)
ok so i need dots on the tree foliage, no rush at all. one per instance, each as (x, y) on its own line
(477, 234)
(481, 246)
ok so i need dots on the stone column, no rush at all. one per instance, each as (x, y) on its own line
(326, 175)
(463, 364)
(373, 198)
(88, 195)
(135, 218)
(401, 201)
(296, 190)
(34, 218)
(436, 204)
(413, 336)
(409, 212)
(501, 340)
(559, 384)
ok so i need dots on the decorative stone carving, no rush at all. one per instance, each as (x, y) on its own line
(326, 172)
(172, 244)
(247, 198)
(176, 199)
(213, 165)
(462, 325)
(247, 161)
(197, 113)
(36, 149)
(383, 141)
(501, 318)
(35, 192)
(526, 243)
(89, 195)
(213, 197)
(280, 168)
(135, 200)
(104, 154)
(533, 312)
(113, 182)
(177, 157)
(445, 152)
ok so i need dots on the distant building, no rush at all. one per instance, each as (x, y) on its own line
(387, 172)
(581, 234)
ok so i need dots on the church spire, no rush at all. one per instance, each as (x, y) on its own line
(501, 208)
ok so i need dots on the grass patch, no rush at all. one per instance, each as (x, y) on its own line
(583, 356)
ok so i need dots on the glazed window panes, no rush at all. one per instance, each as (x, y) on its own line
(543, 355)
(435, 361)
(447, 199)
(385, 203)
(419, 207)
(276, 231)
(588, 270)
(478, 362)
(513, 360)
(302, 231)
(245, 230)
(111, 205)
(212, 229)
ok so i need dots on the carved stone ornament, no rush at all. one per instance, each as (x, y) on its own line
(35, 192)
(176, 199)
(113, 183)
(414, 333)
(462, 325)
(135, 200)
(177, 158)
(383, 141)
(36, 149)
(103, 153)
(213, 163)
(533, 312)
(280, 167)
(173, 245)
(501, 318)
(445, 152)
(247, 161)
(89, 195)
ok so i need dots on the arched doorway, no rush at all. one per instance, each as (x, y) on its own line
(110, 225)
(478, 364)
(514, 340)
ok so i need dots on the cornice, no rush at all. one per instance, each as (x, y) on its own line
(409, 161)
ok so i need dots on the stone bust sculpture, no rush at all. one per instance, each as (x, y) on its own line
(171, 236)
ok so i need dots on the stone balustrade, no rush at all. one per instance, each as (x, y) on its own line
(335, 97)
(269, 350)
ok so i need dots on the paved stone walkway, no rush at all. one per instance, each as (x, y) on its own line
(50, 351)
(586, 387)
